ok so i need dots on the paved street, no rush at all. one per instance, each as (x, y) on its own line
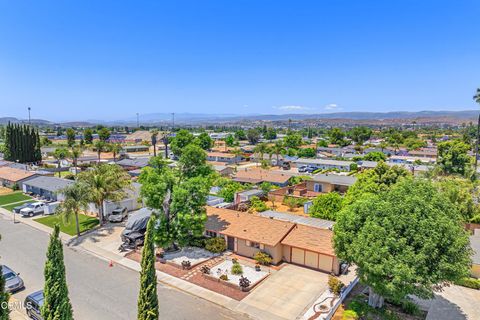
(97, 291)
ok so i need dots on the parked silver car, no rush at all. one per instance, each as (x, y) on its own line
(33, 303)
(13, 282)
(118, 214)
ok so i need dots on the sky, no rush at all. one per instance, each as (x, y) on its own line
(108, 60)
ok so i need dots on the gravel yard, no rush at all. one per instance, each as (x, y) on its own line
(248, 272)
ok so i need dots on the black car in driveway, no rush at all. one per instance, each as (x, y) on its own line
(17, 209)
(33, 303)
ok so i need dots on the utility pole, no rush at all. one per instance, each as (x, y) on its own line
(138, 123)
(29, 119)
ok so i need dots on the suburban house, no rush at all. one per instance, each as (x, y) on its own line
(133, 164)
(320, 183)
(258, 175)
(410, 160)
(10, 177)
(247, 234)
(475, 244)
(244, 196)
(224, 157)
(47, 187)
(424, 153)
(222, 168)
(326, 183)
(324, 164)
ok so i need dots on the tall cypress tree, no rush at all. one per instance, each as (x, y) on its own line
(4, 297)
(22, 143)
(147, 297)
(56, 305)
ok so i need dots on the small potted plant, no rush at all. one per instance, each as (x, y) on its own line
(244, 283)
(186, 264)
(205, 269)
(224, 277)
(257, 267)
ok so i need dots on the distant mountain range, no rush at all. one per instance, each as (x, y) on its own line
(196, 118)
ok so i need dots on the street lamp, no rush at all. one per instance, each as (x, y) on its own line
(29, 119)
(138, 124)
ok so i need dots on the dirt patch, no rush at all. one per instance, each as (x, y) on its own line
(4, 190)
(283, 208)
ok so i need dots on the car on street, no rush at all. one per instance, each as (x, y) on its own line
(33, 303)
(302, 168)
(20, 207)
(118, 214)
(33, 209)
(13, 282)
(311, 169)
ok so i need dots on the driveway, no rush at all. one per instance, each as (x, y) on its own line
(455, 302)
(286, 293)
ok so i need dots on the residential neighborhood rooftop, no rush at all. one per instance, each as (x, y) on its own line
(294, 218)
(310, 238)
(12, 174)
(335, 179)
(52, 184)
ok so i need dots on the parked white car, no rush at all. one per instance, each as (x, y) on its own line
(33, 209)
(118, 214)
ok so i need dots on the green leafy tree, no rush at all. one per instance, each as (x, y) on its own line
(228, 189)
(103, 134)
(393, 237)
(179, 201)
(70, 137)
(360, 134)
(230, 141)
(147, 297)
(292, 140)
(204, 141)
(337, 136)
(22, 144)
(88, 136)
(240, 135)
(261, 149)
(374, 181)
(193, 162)
(76, 199)
(326, 206)
(181, 140)
(105, 182)
(266, 187)
(253, 136)
(375, 156)
(307, 153)
(414, 143)
(476, 98)
(462, 193)
(453, 157)
(56, 304)
(270, 134)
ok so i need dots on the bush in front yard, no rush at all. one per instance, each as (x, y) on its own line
(471, 283)
(335, 285)
(263, 258)
(236, 269)
(349, 315)
(215, 245)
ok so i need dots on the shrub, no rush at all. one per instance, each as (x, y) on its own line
(244, 283)
(205, 269)
(471, 283)
(475, 219)
(224, 277)
(410, 307)
(263, 258)
(257, 204)
(349, 315)
(335, 285)
(15, 187)
(215, 245)
(197, 242)
(234, 260)
(236, 269)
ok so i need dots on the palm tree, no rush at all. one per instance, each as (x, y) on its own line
(75, 153)
(59, 155)
(115, 148)
(99, 146)
(278, 149)
(105, 182)
(166, 141)
(261, 149)
(476, 97)
(154, 142)
(75, 200)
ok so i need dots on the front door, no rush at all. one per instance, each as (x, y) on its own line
(231, 243)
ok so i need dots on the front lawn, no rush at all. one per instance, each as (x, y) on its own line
(86, 223)
(10, 207)
(13, 197)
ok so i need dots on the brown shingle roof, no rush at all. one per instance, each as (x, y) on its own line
(256, 175)
(12, 174)
(247, 226)
(221, 154)
(310, 238)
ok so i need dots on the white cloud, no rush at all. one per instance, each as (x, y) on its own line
(290, 108)
(332, 106)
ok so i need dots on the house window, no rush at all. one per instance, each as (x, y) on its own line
(253, 244)
(210, 234)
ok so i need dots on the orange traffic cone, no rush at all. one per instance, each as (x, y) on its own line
(110, 264)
